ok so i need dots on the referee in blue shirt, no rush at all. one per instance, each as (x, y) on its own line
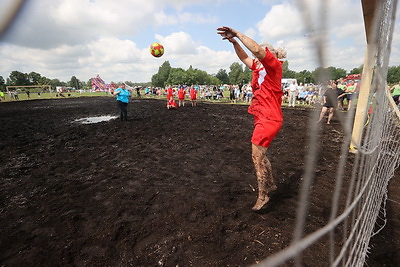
(122, 101)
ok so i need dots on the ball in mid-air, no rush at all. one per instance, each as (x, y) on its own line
(157, 49)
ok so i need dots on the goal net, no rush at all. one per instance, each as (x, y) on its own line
(39, 88)
(376, 136)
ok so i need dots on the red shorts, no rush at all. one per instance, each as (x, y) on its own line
(264, 131)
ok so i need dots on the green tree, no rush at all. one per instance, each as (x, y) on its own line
(336, 73)
(393, 75)
(34, 78)
(222, 75)
(304, 76)
(44, 80)
(286, 72)
(2, 84)
(202, 77)
(89, 84)
(74, 82)
(247, 73)
(245, 76)
(236, 70)
(318, 74)
(176, 76)
(330, 73)
(339, 73)
(357, 70)
(212, 80)
(159, 79)
(191, 76)
(56, 82)
(285, 67)
(18, 78)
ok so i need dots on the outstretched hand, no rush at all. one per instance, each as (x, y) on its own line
(226, 33)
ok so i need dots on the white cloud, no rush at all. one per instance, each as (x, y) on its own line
(178, 44)
(344, 44)
(281, 20)
(61, 38)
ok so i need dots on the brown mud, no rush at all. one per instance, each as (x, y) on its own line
(165, 188)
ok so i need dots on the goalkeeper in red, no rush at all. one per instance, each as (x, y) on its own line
(265, 105)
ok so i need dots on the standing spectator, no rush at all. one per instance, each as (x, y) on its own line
(299, 90)
(265, 105)
(193, 96)
(122, 101)
(232, 96)
(249, 93)
(28, 94)
(396, 93)
(16, 97)
(292, 93)
(342, 87)
(237, 92)
(219, 94)
(350, 93)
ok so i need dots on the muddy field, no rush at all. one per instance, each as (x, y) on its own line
(165, 188)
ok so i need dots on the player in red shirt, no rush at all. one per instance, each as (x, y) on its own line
(170, 93)
(265, 105)
(193, 96)
(171, 104)
(181, 96)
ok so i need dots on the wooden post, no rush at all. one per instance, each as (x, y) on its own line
(370, 12)
(363, 97)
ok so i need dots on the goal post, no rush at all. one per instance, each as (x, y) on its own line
(371, 11)
(28, 86)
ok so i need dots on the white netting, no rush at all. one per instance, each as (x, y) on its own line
(378, 156)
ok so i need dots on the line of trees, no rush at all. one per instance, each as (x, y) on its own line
(238, 73)
(167, 75)
(17, 78)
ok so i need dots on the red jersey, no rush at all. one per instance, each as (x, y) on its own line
(181, 94)
(169, 93)
(193, 94)
(256, 68)
(267, 97)
(172, 102)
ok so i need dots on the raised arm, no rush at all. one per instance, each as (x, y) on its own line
(241, 53)
(253, 46)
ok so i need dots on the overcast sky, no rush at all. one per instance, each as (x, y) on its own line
(83, 38)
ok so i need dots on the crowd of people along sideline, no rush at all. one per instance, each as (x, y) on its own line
(313, 95)
(233, 93)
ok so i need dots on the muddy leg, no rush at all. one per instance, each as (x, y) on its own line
(264, 175)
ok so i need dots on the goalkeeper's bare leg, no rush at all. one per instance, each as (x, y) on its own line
(265, 179)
